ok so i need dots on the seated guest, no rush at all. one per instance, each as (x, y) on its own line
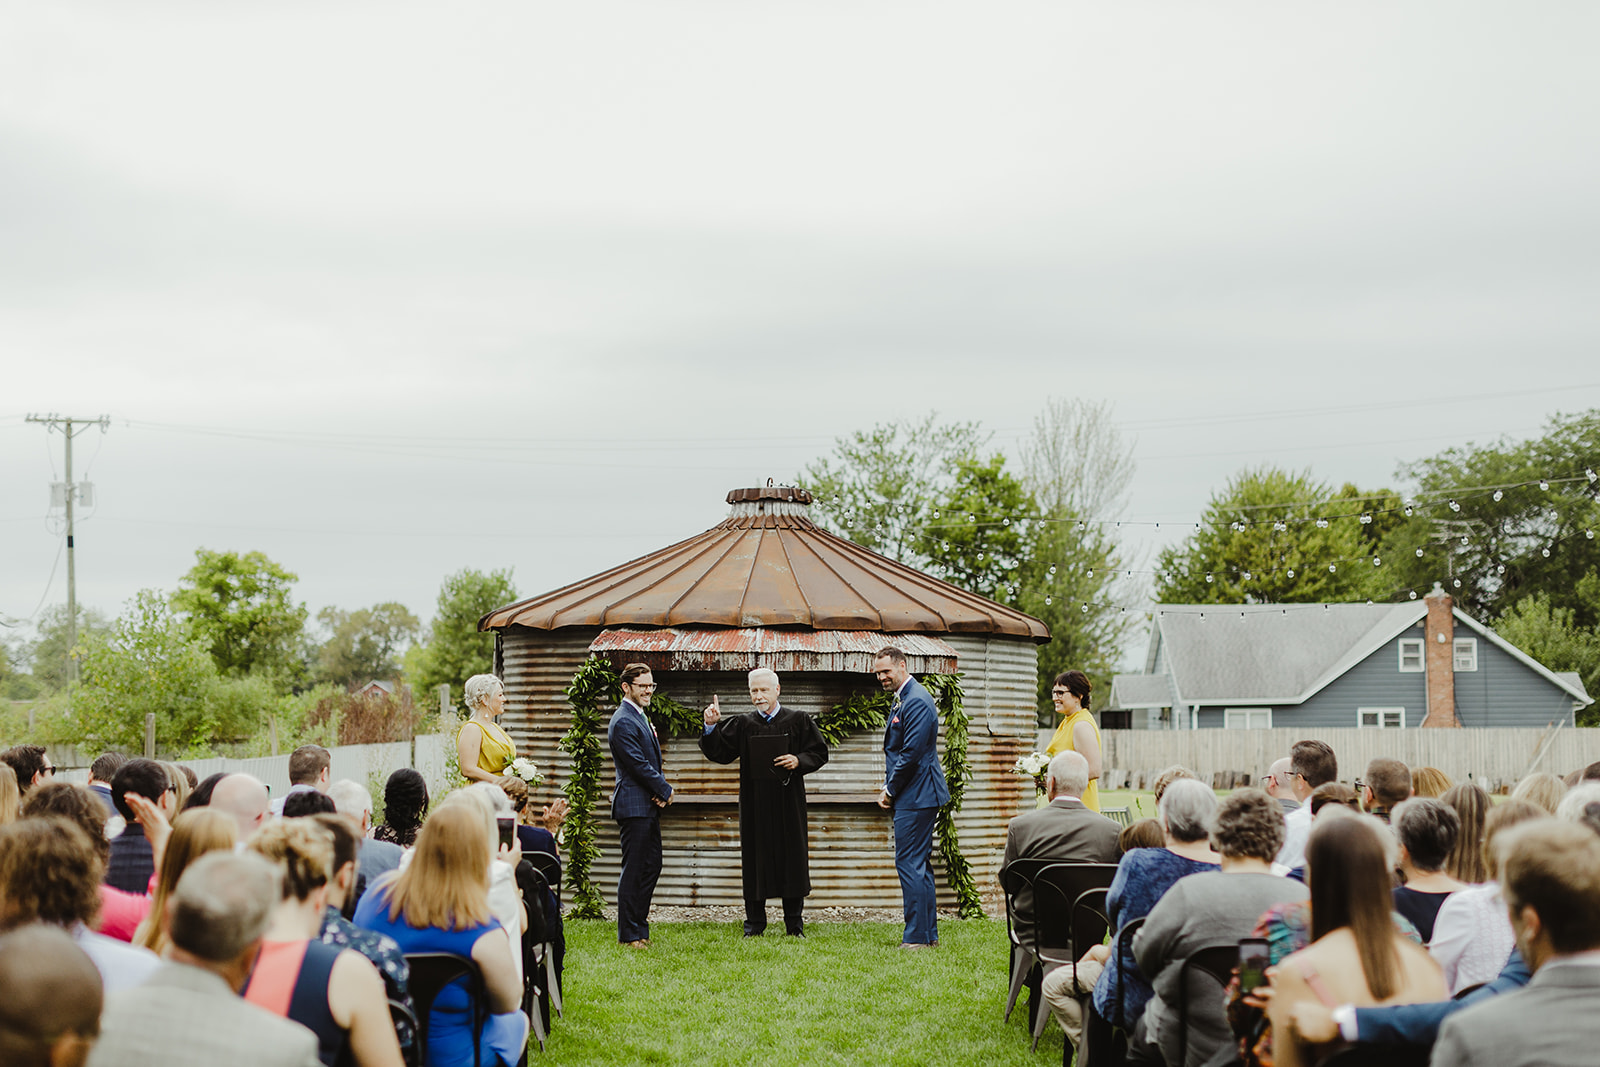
(308, 802)
(189, 1014)
(120, 913)
(336, 993)
(538, 840)
(50, 872)
(132, 862)
(1427, 831)
(1429, 782)
(1578, 798)
(1550, 872)
(50, 1015)
(1545, 790)
(1203, 911)
(10, 795)
(439, 902)
(1063, 831)
(1143, 878)
(1140, 833)
(375, 858)
(1388, 782)
(101, 771)
(380, 951)
(1466, 862)
(310, 767)
(1336, 793)
(1278, 783)
(30, 763)
(405, 805)
(195, 833)
(181, 786)
(1355, 955)
(1312, 765)
(200, 796)
(245, 798)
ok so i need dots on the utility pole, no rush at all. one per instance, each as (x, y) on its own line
(66, 423)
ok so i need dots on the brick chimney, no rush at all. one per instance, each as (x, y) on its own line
(1439, 658)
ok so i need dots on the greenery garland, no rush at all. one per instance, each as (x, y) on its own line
(595, 684)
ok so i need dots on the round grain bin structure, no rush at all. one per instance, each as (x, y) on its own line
(767, 587)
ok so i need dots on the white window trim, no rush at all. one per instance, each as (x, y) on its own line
(1421, 653)
(1460, 645)
(1361, 714)
(1229, 713)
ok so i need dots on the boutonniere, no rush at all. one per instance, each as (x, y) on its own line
(894, 720)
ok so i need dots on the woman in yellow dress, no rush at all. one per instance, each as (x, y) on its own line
(484, 749)
(1077, 731)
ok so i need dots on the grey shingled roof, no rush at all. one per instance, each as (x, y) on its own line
(1269, 653)
(1141, 691)
(1574, 679)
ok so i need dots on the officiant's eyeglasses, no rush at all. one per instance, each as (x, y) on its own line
(641, 685)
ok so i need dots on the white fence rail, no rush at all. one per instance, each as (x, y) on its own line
(368, 764)
(1491, 757)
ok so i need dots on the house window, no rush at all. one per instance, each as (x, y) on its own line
(1410, 655)
(1381, 718)
(1466, 657)
(1247, 718)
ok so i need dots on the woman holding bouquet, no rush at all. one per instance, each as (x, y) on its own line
(1077, 731)
(483, 748)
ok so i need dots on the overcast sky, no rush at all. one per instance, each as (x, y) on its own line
(386, 290)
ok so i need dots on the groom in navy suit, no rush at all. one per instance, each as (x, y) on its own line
(914, 788)
(642, 791)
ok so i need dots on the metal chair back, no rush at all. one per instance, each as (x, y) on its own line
(1217, 964)
(430, 973)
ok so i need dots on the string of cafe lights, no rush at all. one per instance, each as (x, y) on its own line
(1450, 500)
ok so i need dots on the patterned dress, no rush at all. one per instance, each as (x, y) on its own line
(385, 955)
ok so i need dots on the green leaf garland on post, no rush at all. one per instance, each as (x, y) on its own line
(596, 683)
(950, 697)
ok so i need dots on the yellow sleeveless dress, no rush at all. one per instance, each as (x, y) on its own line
(496, 751)
(1062, 742)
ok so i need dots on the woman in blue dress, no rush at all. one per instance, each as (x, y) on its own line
(440, 903)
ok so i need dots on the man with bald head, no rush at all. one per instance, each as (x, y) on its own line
(189, 1013)
(50, 1015)
(1279, 784)
(245, 798)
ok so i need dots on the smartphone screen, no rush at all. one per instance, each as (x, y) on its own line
(508, 830)
(1253, 961)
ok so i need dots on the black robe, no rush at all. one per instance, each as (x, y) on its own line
(772, 811)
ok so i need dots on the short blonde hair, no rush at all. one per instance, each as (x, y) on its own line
(446, 884)
(302, 849)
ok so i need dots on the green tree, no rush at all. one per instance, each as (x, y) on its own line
(151, 662)
(1078, 467)
(1552, 636)
(455, 650)
(980, 533)
(1269, 538)
(49, 654)
(881, 486)
(1508, 538)
(364, 644)
(239, 606)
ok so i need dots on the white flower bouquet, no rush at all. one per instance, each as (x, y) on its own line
(1034, 765)
(524, 768)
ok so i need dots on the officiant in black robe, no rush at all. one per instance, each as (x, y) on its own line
(776, 748)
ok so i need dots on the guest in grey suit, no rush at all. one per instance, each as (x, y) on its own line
(1064, 830)
(1550, 877)
(189, 1013)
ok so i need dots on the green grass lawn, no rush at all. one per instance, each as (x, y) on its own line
(702, 994)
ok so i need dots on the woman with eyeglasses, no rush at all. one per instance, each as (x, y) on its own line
(1077, 731)
(483, 749)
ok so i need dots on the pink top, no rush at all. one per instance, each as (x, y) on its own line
(121, 913)
(277, 970)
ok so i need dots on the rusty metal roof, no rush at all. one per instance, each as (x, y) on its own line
(767, 565)
(674, 649)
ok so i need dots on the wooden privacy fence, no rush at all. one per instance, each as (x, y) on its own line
(1494, 758)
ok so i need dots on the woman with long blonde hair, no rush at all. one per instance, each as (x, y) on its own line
(194, 833)
(10, 795)
(439, 902)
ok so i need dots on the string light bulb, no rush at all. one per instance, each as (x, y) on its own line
(1410, 511)
(1086, 609)
(1589, 473)
(1498, 496)
(1366, 520)
(1454, 506)
(1322, 524)
(1545, 552)
(1419, 553)
(1247, 576)
(1544, 486)
(1291, 572)
(1208, 577)
(1412, 593)
(1333, 568)
(1457, 583)
(1376, 562)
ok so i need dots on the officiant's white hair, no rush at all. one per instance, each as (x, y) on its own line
(764, 672)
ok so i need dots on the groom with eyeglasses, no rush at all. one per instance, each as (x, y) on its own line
(914, 789)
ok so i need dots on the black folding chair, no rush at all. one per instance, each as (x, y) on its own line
(1105, 1041)
(1217, 964)
(430, 973)
(549, 865)
(538, 956)
(1069, 902)
(1018, 876)
(1359, 1054)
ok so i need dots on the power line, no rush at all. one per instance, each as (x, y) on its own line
(72, 493)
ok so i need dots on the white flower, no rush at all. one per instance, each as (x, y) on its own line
(526, 769)
(1033, 764)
